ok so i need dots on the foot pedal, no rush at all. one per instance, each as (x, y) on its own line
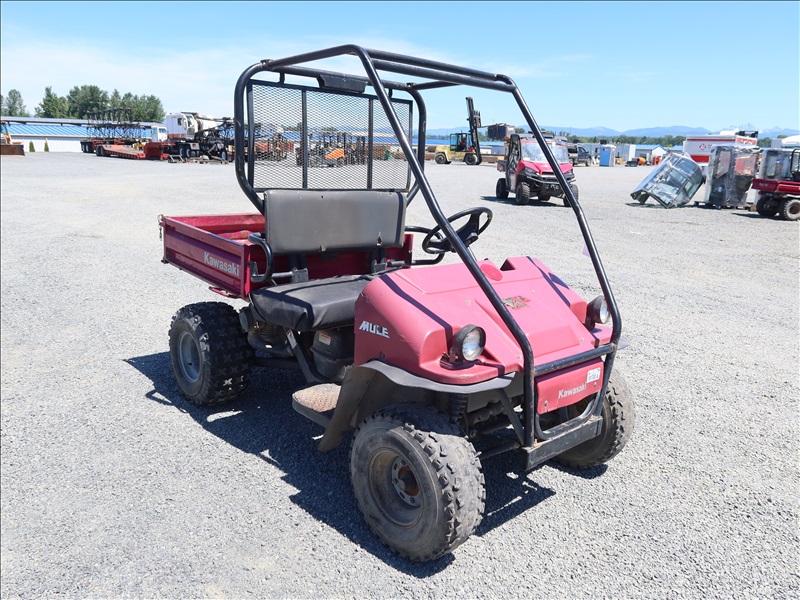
(317, 402)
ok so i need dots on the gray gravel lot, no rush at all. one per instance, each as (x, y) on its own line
(114, 486)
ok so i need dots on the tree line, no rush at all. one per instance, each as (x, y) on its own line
(665, 141)
(82, 100)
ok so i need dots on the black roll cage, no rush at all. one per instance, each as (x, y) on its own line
(438, 75)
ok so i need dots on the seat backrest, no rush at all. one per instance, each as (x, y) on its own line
(311, 221)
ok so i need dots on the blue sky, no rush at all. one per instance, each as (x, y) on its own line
(625, 65)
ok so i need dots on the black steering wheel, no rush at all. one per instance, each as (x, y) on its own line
(468, 232)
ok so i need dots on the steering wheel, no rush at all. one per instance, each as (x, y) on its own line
(468, 232)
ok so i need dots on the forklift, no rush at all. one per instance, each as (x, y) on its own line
(463, 146)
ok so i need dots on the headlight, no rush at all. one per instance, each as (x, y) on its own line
(597, 312)
(532, 173)
(468, 344)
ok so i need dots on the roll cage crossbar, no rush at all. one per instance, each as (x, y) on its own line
(438, 75)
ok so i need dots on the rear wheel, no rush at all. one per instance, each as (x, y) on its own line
(790, 209)
(501, 189)
(417, 481)
(210, 355)
(440, 159)
(523, 193)
(618, 414)
(766, 207)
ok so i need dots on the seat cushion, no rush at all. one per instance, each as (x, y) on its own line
(310, 305)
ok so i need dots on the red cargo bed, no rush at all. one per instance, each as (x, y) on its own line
(215, 249)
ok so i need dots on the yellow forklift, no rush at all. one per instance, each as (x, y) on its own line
(463, 146)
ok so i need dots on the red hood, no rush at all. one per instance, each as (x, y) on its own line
(544, 167)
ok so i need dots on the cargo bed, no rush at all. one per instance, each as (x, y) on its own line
(216, 249)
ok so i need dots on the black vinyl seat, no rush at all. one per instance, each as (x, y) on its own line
(311, 305)
(303, 222)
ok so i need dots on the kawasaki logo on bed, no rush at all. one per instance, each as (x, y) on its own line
(376, 329)
(573, 391)
(221, 265)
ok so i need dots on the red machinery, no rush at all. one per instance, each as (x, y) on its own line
(436, 367)
(778, 184)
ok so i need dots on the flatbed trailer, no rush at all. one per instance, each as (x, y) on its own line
(133, 152)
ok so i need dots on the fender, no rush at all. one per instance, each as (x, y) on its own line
(350, 409)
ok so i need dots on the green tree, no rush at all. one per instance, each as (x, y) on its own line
(765, 142)
(52, 106)
(86, 99)
(12, 105)
(147, 108)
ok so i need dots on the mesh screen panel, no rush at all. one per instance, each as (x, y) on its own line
(349, 143)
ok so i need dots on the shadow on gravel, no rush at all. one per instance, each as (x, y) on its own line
(638, 205)
(588, 474)
(262, 422)
(553, 203)
(509, 492)
(754, 215)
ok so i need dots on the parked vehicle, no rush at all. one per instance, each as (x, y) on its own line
(184, 135)
(579, 155)
(778, 184)
(192, 135)
(463, 146)
(435, 367)
(529, 175)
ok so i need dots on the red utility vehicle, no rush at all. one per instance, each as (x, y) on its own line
(528, 173)
(436, 367)
(778, 184)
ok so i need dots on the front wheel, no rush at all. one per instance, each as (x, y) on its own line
(618, 415)
(790, 209)
(574, 189)
(523, 193)
(471, 159)
(210, 355)
(417, 481)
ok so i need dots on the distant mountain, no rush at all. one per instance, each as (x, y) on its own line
(662, 131)
(776, 131)
(605, 132)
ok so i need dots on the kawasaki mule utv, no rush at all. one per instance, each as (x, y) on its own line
(436, 367)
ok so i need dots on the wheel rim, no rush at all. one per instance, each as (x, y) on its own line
(405, 482)
(395, 488)
(189, 355)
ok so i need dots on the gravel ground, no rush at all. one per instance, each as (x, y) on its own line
(114, 486)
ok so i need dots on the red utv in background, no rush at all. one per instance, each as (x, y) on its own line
(529, 175)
